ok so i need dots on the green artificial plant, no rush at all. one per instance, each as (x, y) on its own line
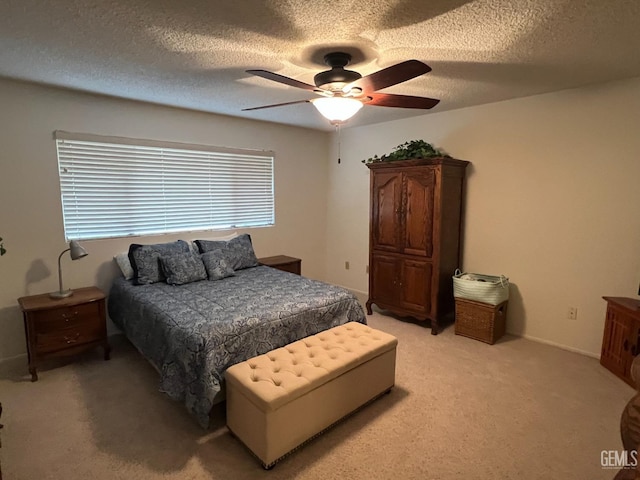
(408, 150)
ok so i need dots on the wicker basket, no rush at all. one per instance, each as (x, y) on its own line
(483, 288)
(481, 321)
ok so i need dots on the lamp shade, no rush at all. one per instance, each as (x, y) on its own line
(76, 251)
(337, 109)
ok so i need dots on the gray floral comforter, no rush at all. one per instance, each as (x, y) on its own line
(192, 333)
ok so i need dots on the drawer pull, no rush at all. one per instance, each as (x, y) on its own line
(72, 339)
(69, 317)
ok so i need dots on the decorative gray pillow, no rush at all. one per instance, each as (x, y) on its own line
(238, 251)
(145, 260)
(183, 268)
(216, 265)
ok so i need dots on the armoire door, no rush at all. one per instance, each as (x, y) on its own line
(417, 212)
(415, 285)
(385, 211)
(384, 279)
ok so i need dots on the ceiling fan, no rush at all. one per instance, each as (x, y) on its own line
(343, 92)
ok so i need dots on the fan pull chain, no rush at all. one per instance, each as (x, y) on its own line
(339, 141)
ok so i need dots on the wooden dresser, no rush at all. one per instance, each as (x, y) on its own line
(414, 236)
(621, 339)
(59, 327)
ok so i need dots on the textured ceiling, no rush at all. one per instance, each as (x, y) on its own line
(194, 53)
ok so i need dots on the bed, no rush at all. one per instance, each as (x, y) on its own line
(192, 333)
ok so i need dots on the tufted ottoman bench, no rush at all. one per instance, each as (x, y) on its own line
(279, 400)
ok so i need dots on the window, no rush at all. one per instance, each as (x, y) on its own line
(116, 187)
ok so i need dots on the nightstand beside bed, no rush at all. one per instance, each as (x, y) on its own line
(283, 262)
(66, 326)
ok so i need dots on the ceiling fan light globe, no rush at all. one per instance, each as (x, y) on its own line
(337, 109)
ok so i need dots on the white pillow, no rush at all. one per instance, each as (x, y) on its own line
(122, 259)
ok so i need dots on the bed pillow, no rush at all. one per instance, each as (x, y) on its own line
(145, 260)
(122, 260)
(216, 265)
(238, 251)
(221, 238)
(182, 268)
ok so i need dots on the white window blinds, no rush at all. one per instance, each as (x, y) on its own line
(116, 187)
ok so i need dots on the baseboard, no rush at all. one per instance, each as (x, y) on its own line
(15, 357)
(557, 345)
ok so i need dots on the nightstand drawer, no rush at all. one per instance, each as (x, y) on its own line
(65, 317)
(62, 339)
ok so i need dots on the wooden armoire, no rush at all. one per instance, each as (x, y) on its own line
(415, 236)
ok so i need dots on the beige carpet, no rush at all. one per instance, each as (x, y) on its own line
(461, 409)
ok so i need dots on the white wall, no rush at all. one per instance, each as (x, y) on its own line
(553, 202)
(30, 208)
(552, 196)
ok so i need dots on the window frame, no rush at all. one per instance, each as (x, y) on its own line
(235, 178)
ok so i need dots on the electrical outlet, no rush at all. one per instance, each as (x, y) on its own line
(367, 268)
(346, 265)
(572, 313)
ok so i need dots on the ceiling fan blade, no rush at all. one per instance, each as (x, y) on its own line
(401, 101)
(398, 73)
(275, 105)
(282, 79)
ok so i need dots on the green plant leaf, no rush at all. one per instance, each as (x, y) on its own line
(408, 150)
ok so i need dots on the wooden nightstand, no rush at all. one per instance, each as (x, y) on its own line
(60, 327)
(284, 263)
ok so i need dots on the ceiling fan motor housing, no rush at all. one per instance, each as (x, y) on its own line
(337, 75)
(347, 91)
